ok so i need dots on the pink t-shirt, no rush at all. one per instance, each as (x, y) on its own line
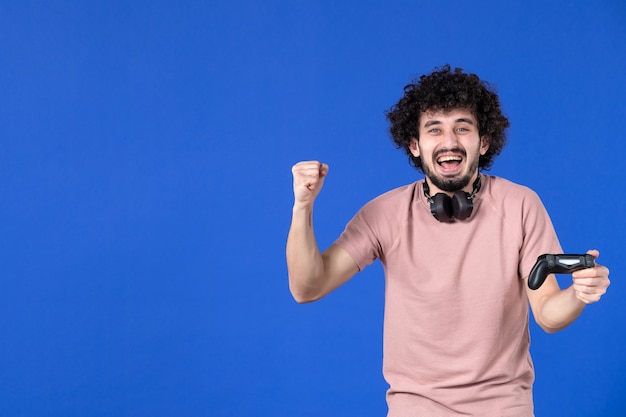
(456, 339)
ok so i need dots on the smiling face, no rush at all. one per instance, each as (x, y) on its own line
(449, 147)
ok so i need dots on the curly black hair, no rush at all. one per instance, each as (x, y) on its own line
(446, 90)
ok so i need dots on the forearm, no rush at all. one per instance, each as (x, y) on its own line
(305, 264)
(559, 310)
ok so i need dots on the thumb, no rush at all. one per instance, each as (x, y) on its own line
(323, 170)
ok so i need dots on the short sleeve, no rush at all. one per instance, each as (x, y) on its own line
(360, 240)
(539, 235)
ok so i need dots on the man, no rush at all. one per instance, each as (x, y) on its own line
(457, 248)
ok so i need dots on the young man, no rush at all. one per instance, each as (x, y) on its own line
(457, 248)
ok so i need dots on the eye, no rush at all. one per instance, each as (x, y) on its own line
(434, 130)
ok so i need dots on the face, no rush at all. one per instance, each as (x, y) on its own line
(449, 146)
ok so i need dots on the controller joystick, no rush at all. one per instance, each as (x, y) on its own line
(557, 264)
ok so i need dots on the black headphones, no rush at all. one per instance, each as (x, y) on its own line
(445, 208)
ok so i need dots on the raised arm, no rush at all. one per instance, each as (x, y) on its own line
(312, 274)
(555, 309)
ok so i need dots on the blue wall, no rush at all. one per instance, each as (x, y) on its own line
(145, 192)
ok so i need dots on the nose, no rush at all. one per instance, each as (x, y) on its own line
(450, 139)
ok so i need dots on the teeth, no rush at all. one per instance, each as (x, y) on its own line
(448, 159)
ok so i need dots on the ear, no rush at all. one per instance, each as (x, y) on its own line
(413, 146)
(484, 144)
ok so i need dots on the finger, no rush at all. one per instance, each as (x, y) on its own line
(310, 167)
(588, 297)
(594, 252)
(324, 170)
(304, 166)
(595, 271)
(306, 169)
(590, 290)
(582, 297)
(591, 284)
(309, 173)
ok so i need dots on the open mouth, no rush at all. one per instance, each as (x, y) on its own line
(449, 163)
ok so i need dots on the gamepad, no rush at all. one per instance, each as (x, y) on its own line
(557, 264)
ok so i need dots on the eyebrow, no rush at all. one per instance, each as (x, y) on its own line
(459, 120)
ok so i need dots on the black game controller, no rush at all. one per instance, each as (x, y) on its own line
(557, 264)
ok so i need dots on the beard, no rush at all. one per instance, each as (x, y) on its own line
(451, 184)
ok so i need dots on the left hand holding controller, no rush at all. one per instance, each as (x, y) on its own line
(590, 284)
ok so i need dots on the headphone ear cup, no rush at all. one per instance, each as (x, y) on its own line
(462, 205)
(441, 207)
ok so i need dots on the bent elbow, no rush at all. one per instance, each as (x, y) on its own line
(303, 295)
(552, 329)
(303, 300)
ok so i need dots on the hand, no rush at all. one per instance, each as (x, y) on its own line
(590, 284)
(308, 179)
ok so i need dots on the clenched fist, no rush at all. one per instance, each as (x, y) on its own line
(308, 179)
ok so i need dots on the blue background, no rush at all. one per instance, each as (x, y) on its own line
(145, 191)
